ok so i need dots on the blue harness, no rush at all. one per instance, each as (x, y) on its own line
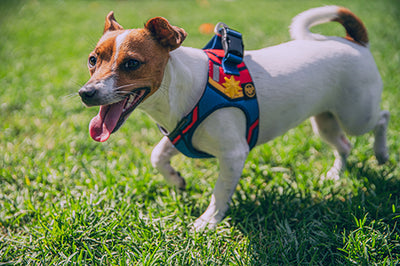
(222, 90)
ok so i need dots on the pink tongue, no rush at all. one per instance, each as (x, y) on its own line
(104, 122)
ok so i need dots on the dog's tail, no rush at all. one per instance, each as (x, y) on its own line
(301, 24)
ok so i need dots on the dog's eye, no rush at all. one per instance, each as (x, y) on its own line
(92, 61)
(131, 64)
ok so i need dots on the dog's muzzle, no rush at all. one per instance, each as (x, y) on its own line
(89, 95)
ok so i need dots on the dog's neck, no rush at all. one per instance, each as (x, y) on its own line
(185, 76)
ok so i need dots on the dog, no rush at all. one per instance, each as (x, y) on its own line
(332, 80)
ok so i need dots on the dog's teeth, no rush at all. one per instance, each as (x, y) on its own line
(128, 103)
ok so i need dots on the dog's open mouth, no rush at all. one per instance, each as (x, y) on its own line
(111, 117)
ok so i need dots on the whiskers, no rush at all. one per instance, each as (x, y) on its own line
(130, 89)
(119, 89)
(69, 96)
(126, 93)
(74, 95)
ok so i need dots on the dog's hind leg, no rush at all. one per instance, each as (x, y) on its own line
(380, 148)
(161, 159)
(328, 128)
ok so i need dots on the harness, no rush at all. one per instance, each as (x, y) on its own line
(229, 85)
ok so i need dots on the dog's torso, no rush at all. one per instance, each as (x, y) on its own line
(294, 81)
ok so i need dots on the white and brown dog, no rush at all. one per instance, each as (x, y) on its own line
(331, 79)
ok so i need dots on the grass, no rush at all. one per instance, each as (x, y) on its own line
(65, 199)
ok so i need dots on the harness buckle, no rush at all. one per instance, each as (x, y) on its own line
(232, 44)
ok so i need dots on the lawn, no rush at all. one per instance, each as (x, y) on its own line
(65, 199)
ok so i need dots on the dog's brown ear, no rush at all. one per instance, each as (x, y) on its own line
(167, 35)
(111, 24)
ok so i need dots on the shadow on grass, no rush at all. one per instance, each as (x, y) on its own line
(289, 227)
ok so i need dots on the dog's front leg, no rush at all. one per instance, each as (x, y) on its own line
(160, 159)
(231, 167)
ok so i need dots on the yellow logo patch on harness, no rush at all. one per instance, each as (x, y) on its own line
(231, 88)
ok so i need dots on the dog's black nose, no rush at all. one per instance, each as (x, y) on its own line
(87, 92)
(89, 95)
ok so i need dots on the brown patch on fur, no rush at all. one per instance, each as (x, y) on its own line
(166, 34)
(140, 45)
(104, 53)
(111, 24)
(355, 29)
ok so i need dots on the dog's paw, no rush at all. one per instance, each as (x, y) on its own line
(382, 157)
(333, 175)
(204, 223)
(179, 181)
(176, 180)
(381, 154)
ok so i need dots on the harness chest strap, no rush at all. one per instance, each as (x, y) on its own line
(222, 90)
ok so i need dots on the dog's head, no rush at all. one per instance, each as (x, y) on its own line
(126, 67)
